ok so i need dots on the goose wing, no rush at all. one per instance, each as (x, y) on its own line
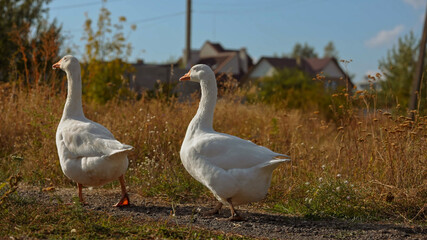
(88, 139)
(227, 151)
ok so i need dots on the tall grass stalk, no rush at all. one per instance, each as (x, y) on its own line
(382, 157)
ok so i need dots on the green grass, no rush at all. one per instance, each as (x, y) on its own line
(27, 218)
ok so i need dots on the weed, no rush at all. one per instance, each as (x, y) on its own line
(381, 153)
(26, 218)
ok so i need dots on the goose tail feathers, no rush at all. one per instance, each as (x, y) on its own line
(272, 164)
(124, 148)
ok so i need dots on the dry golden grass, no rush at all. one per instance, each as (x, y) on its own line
(363, 164)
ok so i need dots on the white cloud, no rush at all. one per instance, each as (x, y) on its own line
(416, 3)
(385, 36)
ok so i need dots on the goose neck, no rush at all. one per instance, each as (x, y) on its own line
(205, 112)
(73, 105)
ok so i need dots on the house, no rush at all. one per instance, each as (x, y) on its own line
(221, 60)
(148, 76)
(328, 67)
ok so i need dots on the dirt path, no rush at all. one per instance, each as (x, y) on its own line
(257, 224)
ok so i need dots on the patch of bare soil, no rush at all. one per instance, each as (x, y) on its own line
(257, 224)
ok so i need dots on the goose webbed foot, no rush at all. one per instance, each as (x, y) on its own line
(234, 215)
(124, 201)
(125, 197)
(213, 211)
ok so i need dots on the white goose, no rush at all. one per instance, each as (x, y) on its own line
(88, 153)
(237, 171)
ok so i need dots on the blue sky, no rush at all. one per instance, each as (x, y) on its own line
(362, 30)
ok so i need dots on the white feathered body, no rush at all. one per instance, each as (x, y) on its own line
(88, 153)
(232, 168)
(229, 166)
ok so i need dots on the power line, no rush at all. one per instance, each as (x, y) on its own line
(66, 7)
(158, 17)
(163, 17)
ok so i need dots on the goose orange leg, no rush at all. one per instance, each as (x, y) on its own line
(124, 201)
(82, 201)
(213, 211)
(234, 215)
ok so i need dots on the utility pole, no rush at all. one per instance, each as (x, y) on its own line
(416, 84)
(187, 56)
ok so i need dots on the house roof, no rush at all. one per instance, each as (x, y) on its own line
(311, 66)
(280, 63)
(318, 64)
(217, 46)
(217, 62)
(221, 50)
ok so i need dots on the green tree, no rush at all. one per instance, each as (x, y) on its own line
(291, 88)
(23, 31)
(106, 71)
(330, 50)
(398, 69)
(305, 51)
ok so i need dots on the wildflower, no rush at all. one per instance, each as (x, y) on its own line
(323, 166)
(348, 197)
(345, 182)
(307, 183)
(320, 179)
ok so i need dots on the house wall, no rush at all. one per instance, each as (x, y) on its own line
(243, 58)
(146, 76)
(332, 70)
(207, 51)
(263, 69)
(231, 66)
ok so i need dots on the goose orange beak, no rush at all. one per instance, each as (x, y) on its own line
(186, 77)
(57, 65)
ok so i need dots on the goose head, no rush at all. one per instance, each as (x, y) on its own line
(67, 63)
(199, 73)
